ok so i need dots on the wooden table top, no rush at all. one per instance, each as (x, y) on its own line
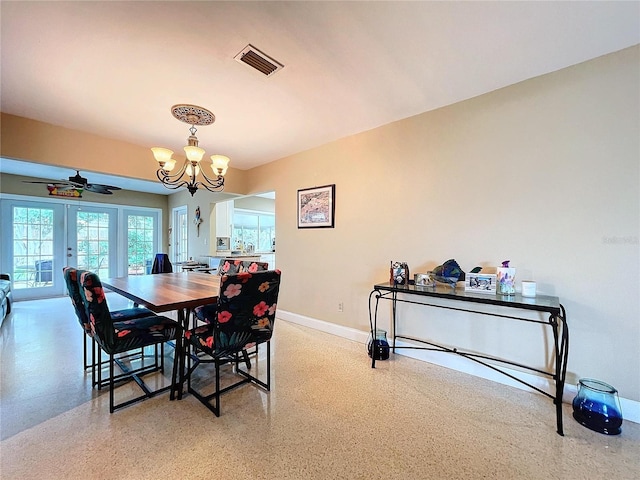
(163, 292)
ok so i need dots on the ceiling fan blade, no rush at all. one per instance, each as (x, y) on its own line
(59, 185)
(98, 188)
(65, 186)
(79, 183)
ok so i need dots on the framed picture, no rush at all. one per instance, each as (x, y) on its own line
(424, 280)
(399, 273)
(316, 207)
(480, 283)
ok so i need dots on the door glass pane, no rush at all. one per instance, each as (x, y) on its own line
(181, 237)
(140, 236)
(33, 263)
(93, 242)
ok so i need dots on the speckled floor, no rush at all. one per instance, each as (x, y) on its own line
(328, 416)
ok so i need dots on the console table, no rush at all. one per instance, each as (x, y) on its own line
(458, 299)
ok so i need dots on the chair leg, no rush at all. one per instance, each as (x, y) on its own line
(136, 375)
(111, 381)
(268, 364)
(254, 379)
(97, 363)
(247, 362)
(216, 409)
(84, 341)
(212, 401)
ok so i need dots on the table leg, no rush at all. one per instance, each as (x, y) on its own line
(180, 352)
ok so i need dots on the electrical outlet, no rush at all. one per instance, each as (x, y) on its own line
(341, 307)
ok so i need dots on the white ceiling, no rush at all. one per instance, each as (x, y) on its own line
(116, 68)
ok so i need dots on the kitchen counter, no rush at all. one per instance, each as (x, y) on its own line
(235, 255)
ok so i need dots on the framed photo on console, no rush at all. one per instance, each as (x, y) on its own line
(316, 207)
(480, 283)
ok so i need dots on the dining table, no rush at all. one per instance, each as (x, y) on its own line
(165, 292)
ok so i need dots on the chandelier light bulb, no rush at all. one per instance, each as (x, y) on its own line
(189, 170)
(169, 164)
(219, 164)
(194, 154)
(162, 155)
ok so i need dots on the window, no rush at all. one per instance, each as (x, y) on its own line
(253, 229)
(93, 242)
(32, 247)
(141, 232)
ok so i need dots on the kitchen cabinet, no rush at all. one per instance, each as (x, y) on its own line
(224, 218)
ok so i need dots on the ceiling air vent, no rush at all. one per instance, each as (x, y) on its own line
(253, 57)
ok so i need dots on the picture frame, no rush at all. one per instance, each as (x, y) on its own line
(316, 207)
(399, 273)
(485, 283)
(426, 280)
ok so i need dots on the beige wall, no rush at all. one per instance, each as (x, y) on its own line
(258, 204)
(544, 173)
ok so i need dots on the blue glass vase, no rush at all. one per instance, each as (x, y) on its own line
(378, 346)
(597, 407)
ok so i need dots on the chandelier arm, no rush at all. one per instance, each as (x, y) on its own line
(218, 179)
(174, 186)
(169, 182)
(173, 177)
(214, 187)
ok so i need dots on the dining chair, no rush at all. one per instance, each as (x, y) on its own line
(235, 265)
(228, 266)
(161, 264)
(246, 311)
(71, 277)
(120, 338)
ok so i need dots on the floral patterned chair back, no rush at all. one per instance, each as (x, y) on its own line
(95, 303)
(231, 266)
(246, 312)
(120, 334)
(71, 276)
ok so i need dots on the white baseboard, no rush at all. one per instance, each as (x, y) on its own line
(327, 327)
(630, 408)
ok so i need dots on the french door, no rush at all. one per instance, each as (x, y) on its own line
(33, 248)
(43, 237)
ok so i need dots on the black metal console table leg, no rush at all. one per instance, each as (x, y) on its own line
(373, 323)
(559, 324)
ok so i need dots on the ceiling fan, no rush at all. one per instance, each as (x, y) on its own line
(77, 183)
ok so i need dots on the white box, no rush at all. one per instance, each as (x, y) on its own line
(481, 283)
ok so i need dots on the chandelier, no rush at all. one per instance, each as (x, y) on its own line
(187, 176)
